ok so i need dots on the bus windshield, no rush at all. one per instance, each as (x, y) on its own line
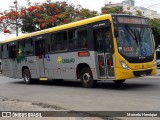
(135, 41)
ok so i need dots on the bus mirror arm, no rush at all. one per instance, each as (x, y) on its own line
(116, 34)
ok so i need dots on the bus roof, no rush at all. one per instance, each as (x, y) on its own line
(62, 27)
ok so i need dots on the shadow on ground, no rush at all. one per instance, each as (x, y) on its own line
(100, 85)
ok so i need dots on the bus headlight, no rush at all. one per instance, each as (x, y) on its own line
(124, 65)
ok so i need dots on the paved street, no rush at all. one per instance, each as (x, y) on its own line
(140, 94)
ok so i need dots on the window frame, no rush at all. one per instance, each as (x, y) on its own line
(53, 42)
(24, 46)
(4, 51)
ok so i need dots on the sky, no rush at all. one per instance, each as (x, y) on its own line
(90, 4)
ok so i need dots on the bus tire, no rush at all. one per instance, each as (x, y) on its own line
(87, 78)
(119, 81)
(27, 76)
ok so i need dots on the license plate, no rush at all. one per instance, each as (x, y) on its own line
(142, 75)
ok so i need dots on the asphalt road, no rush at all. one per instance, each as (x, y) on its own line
(141, 94)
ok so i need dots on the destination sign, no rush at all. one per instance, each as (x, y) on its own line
(131, 20)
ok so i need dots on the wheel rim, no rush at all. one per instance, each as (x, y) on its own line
(86, 77)
(27, 76)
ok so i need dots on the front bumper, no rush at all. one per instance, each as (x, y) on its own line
(126, 74)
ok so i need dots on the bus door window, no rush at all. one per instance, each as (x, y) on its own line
(101, 65)
(40, 49)
(99, 40)
(110, 67)
(109, 48)
(109, 42)
(103, 40)
(104, 46)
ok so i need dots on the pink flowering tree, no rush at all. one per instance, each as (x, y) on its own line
(38, 16)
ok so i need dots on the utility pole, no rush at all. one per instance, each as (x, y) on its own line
(16, 18)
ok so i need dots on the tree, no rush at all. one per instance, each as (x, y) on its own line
(118, 9)
(40, 16)
(107, 10)
(155, 26)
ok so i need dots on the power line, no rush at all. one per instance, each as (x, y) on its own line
(153, 5)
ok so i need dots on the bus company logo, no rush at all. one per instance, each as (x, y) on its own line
(60, 60)
(6, 114)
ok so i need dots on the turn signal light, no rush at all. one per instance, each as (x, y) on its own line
(83, 54)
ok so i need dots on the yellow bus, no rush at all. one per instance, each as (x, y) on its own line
(107, 47)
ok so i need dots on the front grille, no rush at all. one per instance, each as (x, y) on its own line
(138, 60)
(142, 72)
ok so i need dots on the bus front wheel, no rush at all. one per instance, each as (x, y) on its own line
(27, 76)
(87, 78)
(119, 81)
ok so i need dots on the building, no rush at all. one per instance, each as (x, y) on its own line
(153, 16)
(133, 9)
(128, 6)
(130, 2)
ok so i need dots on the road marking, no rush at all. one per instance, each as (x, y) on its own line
(152, 77)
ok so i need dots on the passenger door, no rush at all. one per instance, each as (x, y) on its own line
(12, 58)
(40, 56)
(105, 49)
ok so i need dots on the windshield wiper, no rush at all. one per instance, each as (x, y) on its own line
(132, 33)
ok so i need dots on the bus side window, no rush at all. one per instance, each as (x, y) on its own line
(5, 52)
(82, 38)
(20, 48)
(12, 52)
(0, 52)
(61, 41)
(28, 49)
(72, 40)
(52, 42)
